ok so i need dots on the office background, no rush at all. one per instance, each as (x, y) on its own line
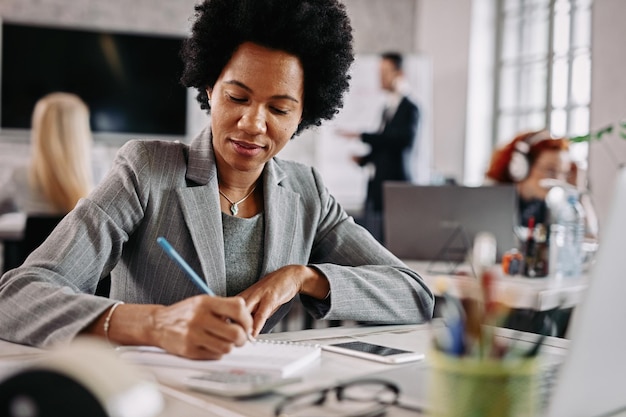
(449, 34)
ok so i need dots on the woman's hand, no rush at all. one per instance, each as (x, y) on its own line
(275, 289)
(202, 327)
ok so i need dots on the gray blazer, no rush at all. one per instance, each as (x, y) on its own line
(158, 188)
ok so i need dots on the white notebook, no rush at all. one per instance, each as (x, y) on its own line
(264, 356)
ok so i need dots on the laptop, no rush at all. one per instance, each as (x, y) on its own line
(439, 223)
(591, 377)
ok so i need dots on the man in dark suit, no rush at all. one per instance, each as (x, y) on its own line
(392, 143)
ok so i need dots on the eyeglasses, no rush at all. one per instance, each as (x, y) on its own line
(359, 398)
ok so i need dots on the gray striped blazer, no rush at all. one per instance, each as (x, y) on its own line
(159, 188)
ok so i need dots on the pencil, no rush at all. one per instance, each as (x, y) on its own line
(195, 278)
(171, 252)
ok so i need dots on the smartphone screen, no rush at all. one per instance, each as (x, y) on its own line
(374, 352)
(370, 348)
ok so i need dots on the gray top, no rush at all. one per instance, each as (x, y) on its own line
(170, 189)
(243, 250)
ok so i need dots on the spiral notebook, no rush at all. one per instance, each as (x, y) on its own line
(264, 356)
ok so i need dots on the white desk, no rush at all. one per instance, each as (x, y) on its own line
(332, 368)
(539, 294)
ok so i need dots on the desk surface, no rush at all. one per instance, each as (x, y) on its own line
(332, 368)
(538, 294)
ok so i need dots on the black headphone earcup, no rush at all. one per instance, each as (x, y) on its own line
(518, 166)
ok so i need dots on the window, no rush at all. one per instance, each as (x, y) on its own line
(543, 67)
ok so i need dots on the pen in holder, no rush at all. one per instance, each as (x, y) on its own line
(466, 386)
(472, 373)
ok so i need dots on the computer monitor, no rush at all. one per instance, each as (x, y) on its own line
(440, 222)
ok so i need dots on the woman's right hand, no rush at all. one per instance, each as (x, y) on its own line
(201, 327)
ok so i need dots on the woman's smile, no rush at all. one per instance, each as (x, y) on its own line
(246, 148)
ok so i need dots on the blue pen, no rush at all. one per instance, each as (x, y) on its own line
(171, 252)
(453, 316)
(451, 341)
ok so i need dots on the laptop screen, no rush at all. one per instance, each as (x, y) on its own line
(440, 222)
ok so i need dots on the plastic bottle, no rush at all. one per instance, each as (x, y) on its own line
(567, 233)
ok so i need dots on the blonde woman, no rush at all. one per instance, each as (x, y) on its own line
(59, 172)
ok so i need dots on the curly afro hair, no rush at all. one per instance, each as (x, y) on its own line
(318, 32)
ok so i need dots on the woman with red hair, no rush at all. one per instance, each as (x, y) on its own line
(528, 161)
(535, 162)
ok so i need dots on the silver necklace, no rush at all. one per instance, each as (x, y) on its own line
(234, 204)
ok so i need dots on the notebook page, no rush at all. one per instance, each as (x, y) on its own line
(271, 357)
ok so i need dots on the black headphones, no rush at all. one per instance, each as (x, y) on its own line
(519, 165)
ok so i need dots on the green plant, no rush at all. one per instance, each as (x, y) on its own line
(598, 134)
(620, 130)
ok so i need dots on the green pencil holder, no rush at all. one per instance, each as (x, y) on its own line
(475, 387)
